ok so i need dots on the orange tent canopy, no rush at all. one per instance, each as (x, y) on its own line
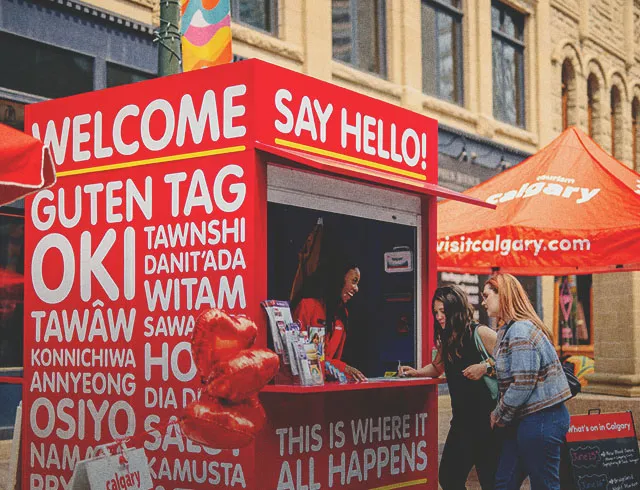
(25, 165)
(569, 209)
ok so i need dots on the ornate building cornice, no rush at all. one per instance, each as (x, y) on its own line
(106, 15)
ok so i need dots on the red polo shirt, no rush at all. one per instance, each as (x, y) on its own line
(311, 312)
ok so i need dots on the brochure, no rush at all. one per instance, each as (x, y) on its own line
(279, 315)
(316, 336)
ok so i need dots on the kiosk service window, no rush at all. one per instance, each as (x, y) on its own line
(359, 225)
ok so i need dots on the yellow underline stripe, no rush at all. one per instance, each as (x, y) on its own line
(150, 161)
(401, 485)
(347, 158)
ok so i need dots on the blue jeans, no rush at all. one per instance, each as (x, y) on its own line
(532, 448)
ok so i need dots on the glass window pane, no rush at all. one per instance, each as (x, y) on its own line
(574, 310)
(508, 66)
(257, 13)
(508, 59)
(429, 46)
(11, 395)
(44, 70)
(446, 57)
(368, 42)
(518, 88)
(518, 23)
(498, 80)
(441, 52)
(11, 290)
(121, 75)
(12, 114)
(507, 26)
(358, 34)
(495, 17)
(341, 21)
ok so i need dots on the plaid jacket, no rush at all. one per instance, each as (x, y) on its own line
(530, 376)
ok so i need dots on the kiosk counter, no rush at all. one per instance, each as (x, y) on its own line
(192, 192)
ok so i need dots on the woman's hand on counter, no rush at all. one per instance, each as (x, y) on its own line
(429, 371)
(407, 371)
(354, 373)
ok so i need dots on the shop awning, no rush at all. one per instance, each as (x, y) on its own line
(569, 209)
(361, 172)
(25, 165)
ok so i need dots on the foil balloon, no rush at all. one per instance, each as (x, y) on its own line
(228, 413)
(213, 424)
(244, 375)
(218, 337)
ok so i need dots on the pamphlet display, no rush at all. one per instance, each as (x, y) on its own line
(300, 350)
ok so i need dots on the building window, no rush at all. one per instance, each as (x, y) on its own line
(635, 133)
(593, 107)
(261, 14)
(507, 27)
(442, 49)
(574, 313)
(569, 106)
(11, 289)
(122, 75)
(41, 69)
(12, 114)
(359, 33)
(616, 122)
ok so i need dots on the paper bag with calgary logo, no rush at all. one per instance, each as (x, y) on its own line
(126, 470)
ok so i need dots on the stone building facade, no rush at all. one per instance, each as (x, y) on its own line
(595, 66)
(561, 62)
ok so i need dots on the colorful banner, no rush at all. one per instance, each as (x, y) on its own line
(206, 33)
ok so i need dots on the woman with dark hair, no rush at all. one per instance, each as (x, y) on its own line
(327, 307)
(470, 441)
(532, 387)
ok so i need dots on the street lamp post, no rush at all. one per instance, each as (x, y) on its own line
(168, 38)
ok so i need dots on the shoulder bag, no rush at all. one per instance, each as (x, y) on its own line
(492, 383)
(574, 383)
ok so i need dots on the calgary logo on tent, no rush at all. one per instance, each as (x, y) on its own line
(551, 185)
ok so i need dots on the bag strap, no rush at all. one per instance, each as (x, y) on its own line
(509, 326)
(480, 345)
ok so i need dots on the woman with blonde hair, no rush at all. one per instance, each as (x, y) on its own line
(532, 387)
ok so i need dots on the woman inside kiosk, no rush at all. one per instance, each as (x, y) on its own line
(324, 304)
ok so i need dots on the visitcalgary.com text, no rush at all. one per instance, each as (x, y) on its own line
(507, 245)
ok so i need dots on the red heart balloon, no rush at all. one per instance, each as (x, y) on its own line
(219, 426)
(243, 376)
(252, 410)
(218, 336)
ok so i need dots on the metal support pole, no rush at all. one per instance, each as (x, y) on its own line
(168, 38)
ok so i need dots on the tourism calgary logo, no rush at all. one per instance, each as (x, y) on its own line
(550, 185)
(124, 481)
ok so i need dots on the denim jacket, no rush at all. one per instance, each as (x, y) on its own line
(529, 373)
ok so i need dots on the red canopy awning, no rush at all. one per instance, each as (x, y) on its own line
(569, 209)
(25, 165)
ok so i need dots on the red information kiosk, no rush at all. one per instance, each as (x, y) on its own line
(168, 194)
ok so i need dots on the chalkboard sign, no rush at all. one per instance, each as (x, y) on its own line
(603, 452)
